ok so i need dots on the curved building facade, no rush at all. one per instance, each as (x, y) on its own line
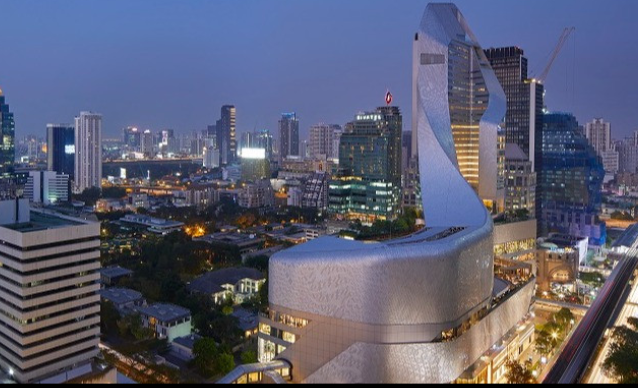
(418, 309)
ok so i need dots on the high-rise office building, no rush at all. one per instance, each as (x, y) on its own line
(132, 138)
(598, 132)
(520, 197)
(61, 149)
(524, 117)
(7, 133)
(146, 145)
(570, 178)
(50, 310)
(477, 137)
(368, 187)
(226, 134)
(261, 139)
(247, 141)
(255, 165)
(628, 154)
(88, 151)
(322, 141)
(288, 135)
(264, 139)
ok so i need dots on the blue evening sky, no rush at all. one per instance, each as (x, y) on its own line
(172, 63)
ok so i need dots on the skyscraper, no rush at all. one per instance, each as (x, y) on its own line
(598, 133)
(7, 131)
(50, 309)
(570, 178)
(288, 135)
(322, 140)
(254, 164)
(61, 149)
(524, 117)
(132, 138)
(263, 139)
(227, 135)
(88, 151)
(146, 146)
(472, 89)
(628, 154)
(520, 182)
(369, 183)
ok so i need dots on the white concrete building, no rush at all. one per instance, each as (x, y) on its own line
(88, 151)
(49, 282)
(166, 320)
(47, 187)
(598, 133)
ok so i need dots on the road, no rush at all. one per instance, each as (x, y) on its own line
(576, 356)
(597, 376)
(132, 368)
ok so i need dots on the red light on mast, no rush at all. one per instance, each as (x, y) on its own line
(388, 98)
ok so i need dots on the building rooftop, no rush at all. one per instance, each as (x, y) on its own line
(212, 282)
(116, 271)
(150, 221)
(44, 221)
(231, 238)
(514, 152)
(188, 341)
(165, 312)
(120, 295)
(247, 320)
(564, 240)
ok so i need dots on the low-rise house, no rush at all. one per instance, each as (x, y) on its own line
(111, 276)
(245, 243)
(167, 321)
(183, 347)
(154, 225)
(236, 284)
(248, 322)
(124, 299)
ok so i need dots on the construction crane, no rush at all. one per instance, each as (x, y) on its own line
(561, 43)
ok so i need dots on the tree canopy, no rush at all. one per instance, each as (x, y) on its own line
(621, 363)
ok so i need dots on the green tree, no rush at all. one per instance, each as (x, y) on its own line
(548, 339)
(89, 196)
(260, 262)
(519, 374)
(225, 363)
(108, 318)
(621, 363)
(564, 319)
(205, 354)
(227, 310)
(113, 192)
(249, 357)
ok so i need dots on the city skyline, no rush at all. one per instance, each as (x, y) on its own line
(338, 61)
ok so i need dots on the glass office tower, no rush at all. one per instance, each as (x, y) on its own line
(570, 178)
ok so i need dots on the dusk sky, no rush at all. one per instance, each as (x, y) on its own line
(172, 63)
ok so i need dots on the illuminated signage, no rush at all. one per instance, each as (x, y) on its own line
(253, 153)
(69, 149)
